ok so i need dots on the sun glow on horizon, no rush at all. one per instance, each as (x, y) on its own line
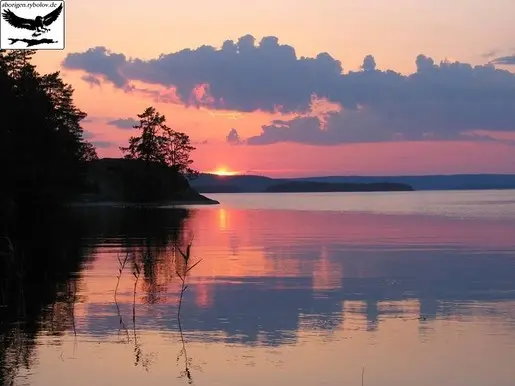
(223, 171)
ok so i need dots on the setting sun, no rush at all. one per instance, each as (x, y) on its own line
(223, 171)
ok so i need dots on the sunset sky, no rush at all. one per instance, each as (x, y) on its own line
(282, 88)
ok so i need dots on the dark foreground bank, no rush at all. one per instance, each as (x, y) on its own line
(113, 181)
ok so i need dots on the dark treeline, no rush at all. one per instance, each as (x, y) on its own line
(45, 160)
(42, 150)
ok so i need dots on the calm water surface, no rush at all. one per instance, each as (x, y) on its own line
(390, 289)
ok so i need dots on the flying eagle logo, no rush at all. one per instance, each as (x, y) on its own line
(40, 24)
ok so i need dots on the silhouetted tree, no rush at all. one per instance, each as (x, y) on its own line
(42, 151)
(177, 153)
(149, 146)
(159, 143)
(89, 152)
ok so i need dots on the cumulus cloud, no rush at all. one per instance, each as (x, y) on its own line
(123, 123)
(234, 137)
(351, 126)
(227, 78)
(99, 63)
(439, 100)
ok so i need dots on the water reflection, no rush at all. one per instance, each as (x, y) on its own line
(40, 282)
(41, 277)
(270, 281)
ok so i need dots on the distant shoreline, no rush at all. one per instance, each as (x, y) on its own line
(210, 183)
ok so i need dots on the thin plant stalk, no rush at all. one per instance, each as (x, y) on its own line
(121, 267)
(137, 347)
(186, 256)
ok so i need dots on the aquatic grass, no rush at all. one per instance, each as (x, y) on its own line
(73, 301)
(186, 256)
(137, 346)
(184, 266)
(136, 273)
(139, 358)
(121, 267)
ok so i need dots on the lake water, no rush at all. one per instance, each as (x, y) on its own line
(390, 289)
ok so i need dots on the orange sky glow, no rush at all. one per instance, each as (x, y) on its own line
(394, 33)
